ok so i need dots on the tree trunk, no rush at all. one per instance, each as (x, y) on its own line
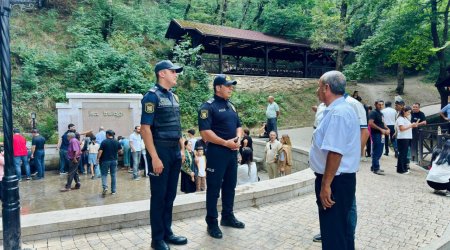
(441, 53)
(400, 79)
(244, 15)
(186, 11)
(259, 12)
(224, 12)
(341, 43)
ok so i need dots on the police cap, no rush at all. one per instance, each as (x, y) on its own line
(166, 64)
(221, 79)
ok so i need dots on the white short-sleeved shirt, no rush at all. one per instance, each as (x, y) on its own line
(337, 133)
(136, 140)
(319, 114)
(406, 134)
(243, 176)
(389, 116)
(271, 111)
(439, 173)
(359, 110)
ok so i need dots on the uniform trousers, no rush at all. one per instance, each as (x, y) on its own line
(221, 167)
(335, 222)
(163, 189)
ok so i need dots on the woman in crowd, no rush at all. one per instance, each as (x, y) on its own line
(438, 177)
(404, 136)
(247, 171)
(92, 158)
(285, 156)
(188, 170)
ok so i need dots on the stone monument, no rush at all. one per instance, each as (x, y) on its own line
(89, 111)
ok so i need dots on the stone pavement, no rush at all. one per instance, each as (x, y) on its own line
(394, 212)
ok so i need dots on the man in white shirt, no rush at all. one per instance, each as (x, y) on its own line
(389, 115)
(334, 157)
(272, 114)
(271, 153)
(136, 148)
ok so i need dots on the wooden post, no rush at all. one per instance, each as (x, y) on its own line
(220, 56)
(266, 60)
(305, 63)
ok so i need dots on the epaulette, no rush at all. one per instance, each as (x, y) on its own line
(153, 89)
(210, 101)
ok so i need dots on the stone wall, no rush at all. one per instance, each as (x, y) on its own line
(271, 84)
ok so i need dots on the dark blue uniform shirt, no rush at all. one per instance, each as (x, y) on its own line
(149, 103)
(220, 116)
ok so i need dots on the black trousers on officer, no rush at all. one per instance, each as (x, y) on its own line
(221, 167)
(334, 221)
(163, 189)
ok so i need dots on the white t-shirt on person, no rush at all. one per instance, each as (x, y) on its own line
(405, 134)
(243, 175)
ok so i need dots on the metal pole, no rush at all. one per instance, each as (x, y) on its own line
(10, 182)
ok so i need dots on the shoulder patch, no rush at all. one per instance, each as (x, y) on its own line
(149, 107)
(204, 113)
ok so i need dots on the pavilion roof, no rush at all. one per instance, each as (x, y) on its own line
(178, 28)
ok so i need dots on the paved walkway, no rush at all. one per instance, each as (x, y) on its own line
(394, 212)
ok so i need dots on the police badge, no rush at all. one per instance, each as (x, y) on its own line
(203, 113)
(149, 107)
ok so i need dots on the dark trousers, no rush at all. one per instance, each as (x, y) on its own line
(272, 125)
(377, 151)
(335, 222)
(73, 173)
(163, 189)
(389, 138)
(439, 186)
(402, 160)
(221, 167)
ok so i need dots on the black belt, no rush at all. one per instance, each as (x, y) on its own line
(341, 174)
(166, 143)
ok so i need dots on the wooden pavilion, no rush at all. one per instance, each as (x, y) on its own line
(246, 52)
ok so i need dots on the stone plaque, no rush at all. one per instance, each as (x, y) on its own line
(115, 116)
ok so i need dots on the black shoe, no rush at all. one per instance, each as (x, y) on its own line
(159, 245)
(317, 238)
(231, 221)
(214, 231)
(78, 185)
(176, 240)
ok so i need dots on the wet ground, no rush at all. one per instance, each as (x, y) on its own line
(44, 195)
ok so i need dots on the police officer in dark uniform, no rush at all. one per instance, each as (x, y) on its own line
(219, 125)
(161, 131)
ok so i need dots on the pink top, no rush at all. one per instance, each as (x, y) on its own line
(74, 150)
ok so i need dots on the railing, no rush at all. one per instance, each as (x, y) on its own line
(429, 138)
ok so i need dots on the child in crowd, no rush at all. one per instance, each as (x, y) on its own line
(200, 162)
(93, 151)
(285, 156)
(188, 170)
(247, 171)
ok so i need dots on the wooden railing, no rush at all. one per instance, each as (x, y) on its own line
(429, 138)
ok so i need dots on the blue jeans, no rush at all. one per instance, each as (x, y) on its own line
(63, 160)
(272, 125)
(39, 156)
(112, 167)
(136, 162)
(18, 160)
(377, 151)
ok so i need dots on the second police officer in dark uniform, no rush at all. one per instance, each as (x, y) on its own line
(161, 131)
(219, 124)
